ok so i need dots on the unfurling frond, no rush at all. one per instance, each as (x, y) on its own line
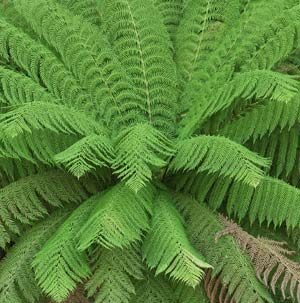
(219, 155)
(17, 281)
(86, 155)
(269, 259)
(53, 117)
(26, 201)
(119, 218)
(140, 149)
(59, 265)
(114, 272)
(167, 248)
(228, 261)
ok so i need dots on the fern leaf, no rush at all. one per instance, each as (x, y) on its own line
(144, 49)
(172, 12)
(25, 201)
(88, 9)
(59, 265)
(118, 219)
(17, 282)
(186, 294)
(140, 149)
(229, 263)
(153, 290)
(40, 64)
(167, 248)
(114, 272)
(40, 116)
(270, 260)
(19, 88)
(263, 120)
(95, 66)
(87, 154)
(257, 84)
(218, 154)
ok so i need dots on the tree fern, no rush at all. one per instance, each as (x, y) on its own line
(143, 121)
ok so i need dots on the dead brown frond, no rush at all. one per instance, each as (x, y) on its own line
(270, 259)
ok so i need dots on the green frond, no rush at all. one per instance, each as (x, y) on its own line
(114, 273)
(95, 66)
(255, 84)
(219, 155)
(119, 218)
(228, 261)
(185, 294)
(27, 200)
(167, 248)
(172, 11)
(41, 116)
(19, 88)
(40, 64)
(202, 21)
(153, 290)
(59, 265)
(87, 154)
(17, 281)
(88, 9)
(143, 46)
(263, 120)
(139, 151)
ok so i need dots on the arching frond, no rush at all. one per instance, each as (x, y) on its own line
(144, 49)
(220, 155)
(27, 200)
(228, 261)
(53, 117)
(59, 265)
(114, 272)
(88, 9)
(41, 65)
(139, 149)
(263, 120)
(167, 248)
(172, 11)
(257, 84)
(19, 88)
(95, 66)
(119, 218)
(87, 154)
(153, 290)
(17, 282)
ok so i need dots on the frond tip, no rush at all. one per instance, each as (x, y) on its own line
(118, 219)
(139, 149)
(167, 247)
(220, 155)
(87, 154)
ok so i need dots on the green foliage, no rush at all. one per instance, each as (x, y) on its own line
(149, 117)
(17, 280)
(113, 274)
(87, 154)
(59, 265)
(218, 154)
(27, 200)
(167, 248)
(118, 219)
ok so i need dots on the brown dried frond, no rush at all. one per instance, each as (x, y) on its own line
(269, 258)
(215, 290)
